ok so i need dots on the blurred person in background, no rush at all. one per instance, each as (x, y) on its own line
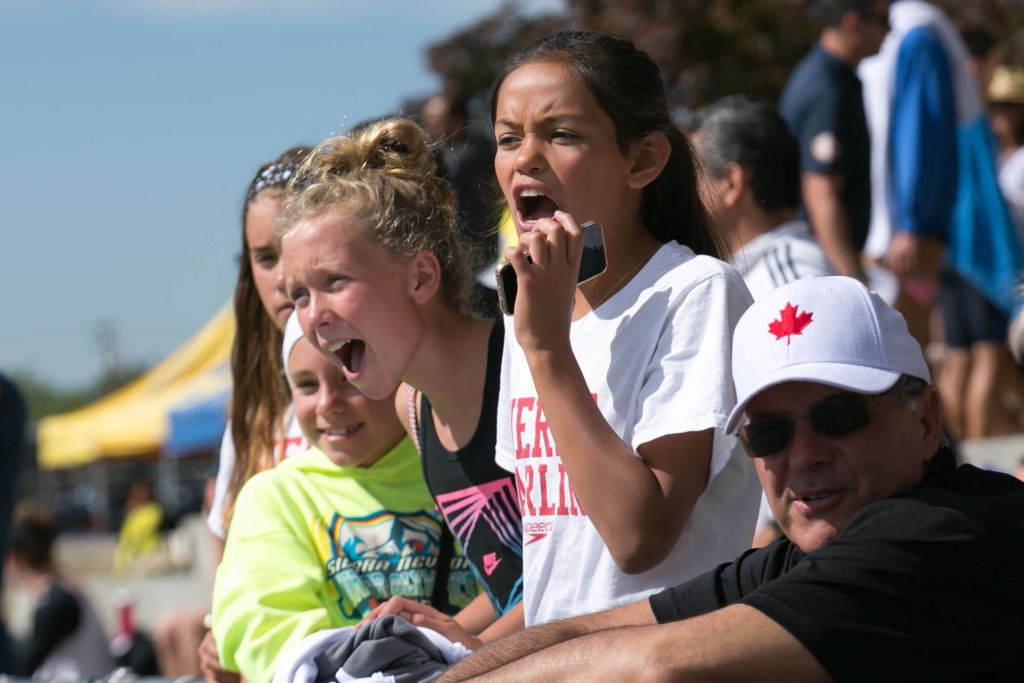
(824, 107)
(468, 164)
(141, 530)
(1006, 111)
(936, 207)
(177, 635)
(982, 264)
(66, 641)
(13, 419)
(913, 107)
(468, 167)
(937, 210)
(752, 194)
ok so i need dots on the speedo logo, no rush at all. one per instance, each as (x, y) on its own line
(537, 530)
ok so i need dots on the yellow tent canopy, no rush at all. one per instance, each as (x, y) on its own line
(135, 419)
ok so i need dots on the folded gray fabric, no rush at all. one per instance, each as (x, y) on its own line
(390, 645)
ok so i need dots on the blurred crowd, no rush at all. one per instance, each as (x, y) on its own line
(389, 471)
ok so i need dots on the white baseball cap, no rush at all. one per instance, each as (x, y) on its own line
(829, 330)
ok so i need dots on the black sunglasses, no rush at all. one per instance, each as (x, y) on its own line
(833, 416)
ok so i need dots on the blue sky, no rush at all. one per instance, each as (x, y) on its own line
(129, 130)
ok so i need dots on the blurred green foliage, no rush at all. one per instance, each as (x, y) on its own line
(1003, 19)
(706, 48)
(44, 398)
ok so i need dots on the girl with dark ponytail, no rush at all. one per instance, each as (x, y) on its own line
(615, 392)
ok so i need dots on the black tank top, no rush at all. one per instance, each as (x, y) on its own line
(478, 498)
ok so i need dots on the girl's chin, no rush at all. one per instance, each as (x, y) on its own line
(349, 458)
(281, 317)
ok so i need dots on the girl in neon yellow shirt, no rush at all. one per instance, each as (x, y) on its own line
(324, 537)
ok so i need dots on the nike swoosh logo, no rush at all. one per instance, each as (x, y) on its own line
(491, 562)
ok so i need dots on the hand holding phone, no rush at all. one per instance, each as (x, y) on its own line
(592, 263)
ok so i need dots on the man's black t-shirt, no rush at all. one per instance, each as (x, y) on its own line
(924, 586)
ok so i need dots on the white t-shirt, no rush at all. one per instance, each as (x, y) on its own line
(294, 444)
(785, 253)
(1011, 182)
(657, 357)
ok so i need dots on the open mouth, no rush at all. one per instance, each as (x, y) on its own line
(350, 354)
(533, 205)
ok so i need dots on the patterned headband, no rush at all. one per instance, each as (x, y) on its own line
(272, 176)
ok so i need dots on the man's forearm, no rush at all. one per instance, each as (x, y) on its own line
(589, 657)
(514, 647)
(520, 645)
(735, 643)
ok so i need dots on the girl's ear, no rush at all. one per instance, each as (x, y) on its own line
(649, 156)
(424, 276)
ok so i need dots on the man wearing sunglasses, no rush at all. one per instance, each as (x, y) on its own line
(897, 565)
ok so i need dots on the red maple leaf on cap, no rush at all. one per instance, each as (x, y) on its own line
(789, 323)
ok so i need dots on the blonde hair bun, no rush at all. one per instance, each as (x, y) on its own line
(398, 147)
(385, 173)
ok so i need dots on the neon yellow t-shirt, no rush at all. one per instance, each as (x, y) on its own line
(315, 546)
(140, 535)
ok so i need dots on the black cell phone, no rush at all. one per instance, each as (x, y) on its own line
(592, 264)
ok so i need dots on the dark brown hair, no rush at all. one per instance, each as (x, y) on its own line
(627, 85)
(33, 533)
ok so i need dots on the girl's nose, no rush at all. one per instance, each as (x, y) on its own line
(334, 397)
(529, 155)
(318, 311)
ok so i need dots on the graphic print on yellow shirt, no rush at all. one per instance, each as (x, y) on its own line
(369, 559)
(313, 546)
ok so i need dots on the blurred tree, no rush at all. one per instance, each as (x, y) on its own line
(469, 60)
(115, 377)
(705, 48)
(1004, 19)
(43, 398)
(709, 48)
